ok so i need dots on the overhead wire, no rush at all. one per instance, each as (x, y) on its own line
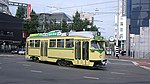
(89, 4)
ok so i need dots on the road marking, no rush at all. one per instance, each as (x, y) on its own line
(135, 63)
(21, 62)
(0, 63)
(0, 67)
(117, 73)
(87, 77)
(120, 64)
(120, 60)
(35, 71)
(26, 65)
(63, 68)
(3, 55)
(145, 67)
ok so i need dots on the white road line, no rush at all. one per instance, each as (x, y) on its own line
(26, 65)
(120, 64)
(35, 71)
(120, 60)
(135, 63)
(63, 68)
(118, 73)
(87, 77)
(3, 55)
(145, 67)
(21, 62)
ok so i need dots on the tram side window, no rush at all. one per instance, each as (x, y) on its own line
(31, 43)
(69, 43)
(37, 43)
(52, 43)
(60, 43)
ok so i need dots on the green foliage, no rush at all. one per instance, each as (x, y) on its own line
(20, 12)
(79, 25)
(64, 26)
(31, 25)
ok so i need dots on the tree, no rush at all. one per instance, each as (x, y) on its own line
(31, 25)
(64, 26)
(79, 24)
(20, 12)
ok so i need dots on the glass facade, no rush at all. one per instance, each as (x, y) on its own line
(139, 13)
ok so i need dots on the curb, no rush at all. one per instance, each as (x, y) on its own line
(137, 64)
(145, 67)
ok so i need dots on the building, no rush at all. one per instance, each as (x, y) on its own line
(138, 28)
(10, 32)
(46, 19)
(86, 15)
(4, 6)
(136, 18)
(133, 30)
(120, 27)
(10, 29)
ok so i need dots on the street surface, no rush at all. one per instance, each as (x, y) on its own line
(16, 70)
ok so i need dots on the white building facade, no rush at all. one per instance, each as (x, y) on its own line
(120, 27)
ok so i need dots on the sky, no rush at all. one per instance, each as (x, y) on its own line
(105, 22)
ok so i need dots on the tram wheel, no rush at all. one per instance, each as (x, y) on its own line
(37, 59)
(61, 62)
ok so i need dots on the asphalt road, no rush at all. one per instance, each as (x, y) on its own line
(16, 70)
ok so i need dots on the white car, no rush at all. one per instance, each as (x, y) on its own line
(21, 52)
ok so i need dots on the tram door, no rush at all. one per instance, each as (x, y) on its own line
(27, 47)
(81, 52)
(78, 52)
(85, 52)
(44, 47)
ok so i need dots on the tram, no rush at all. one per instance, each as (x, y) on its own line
(73, 48)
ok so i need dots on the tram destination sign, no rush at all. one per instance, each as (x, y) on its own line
(46, 34)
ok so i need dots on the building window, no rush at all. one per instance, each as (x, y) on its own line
(6, 33)
(116, 30)
(135, 2)
(121, 29)
(121, 18)
(121, 23)
(121, 36)
(145, 1)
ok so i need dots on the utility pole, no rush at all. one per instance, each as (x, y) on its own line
(117, 39)
(117, 24)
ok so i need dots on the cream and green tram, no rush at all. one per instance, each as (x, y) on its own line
(67, 50)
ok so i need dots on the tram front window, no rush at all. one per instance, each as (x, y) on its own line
(97, 45)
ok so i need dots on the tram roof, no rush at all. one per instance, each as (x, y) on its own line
(81, 34)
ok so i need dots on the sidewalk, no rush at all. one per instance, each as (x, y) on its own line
(144, 63)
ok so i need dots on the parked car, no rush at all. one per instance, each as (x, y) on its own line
(15, 51)
(21, 51)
